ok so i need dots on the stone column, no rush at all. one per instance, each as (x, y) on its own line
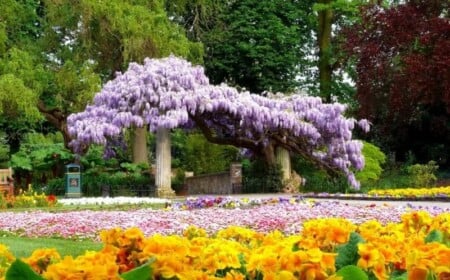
(284, 161)
(163, 164)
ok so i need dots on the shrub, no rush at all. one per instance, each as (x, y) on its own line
(55, 186)
(423, 175)
(374, 159)
(203, 157)
(317, 180)
(258, 177)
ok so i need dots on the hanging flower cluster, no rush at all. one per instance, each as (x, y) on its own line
(170, 93)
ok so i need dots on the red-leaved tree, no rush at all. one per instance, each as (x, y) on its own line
(403, 82)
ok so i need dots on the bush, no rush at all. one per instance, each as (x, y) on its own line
(258, 177)
(55, 186)
(318, 180)
(202, 157)
(423, 175)
(374, 159)
(117, 183)
(178, 181)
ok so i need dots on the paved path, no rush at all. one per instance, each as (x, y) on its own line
(440, 204)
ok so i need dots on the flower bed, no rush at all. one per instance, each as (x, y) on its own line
(438, 193)
(285, 215)
(27, 200)
(328, 248)
(119, 200)
(402, 194)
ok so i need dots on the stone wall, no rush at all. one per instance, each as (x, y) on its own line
(216, 183)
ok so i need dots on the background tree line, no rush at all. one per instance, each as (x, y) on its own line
(388, 60)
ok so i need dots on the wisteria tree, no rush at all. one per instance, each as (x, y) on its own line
(170, 92)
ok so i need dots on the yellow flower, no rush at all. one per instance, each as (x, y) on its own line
(312, 271)
(369, 255)
(89, 266)
(285, 275)
(134, 233)
(169, 267)
(338, 234)
(379, 270)
(193, 231)
(40, 259)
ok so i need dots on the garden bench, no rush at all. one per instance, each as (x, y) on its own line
(6, 181)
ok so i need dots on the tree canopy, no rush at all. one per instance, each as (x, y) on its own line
(403, 85)
(56, 54)
(171, 92)
(258, 44)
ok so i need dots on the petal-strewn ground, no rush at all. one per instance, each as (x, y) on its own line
(284, 216)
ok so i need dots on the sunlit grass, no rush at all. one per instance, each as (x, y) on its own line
(23, 246)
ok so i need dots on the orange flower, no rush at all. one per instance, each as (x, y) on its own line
(51, 199)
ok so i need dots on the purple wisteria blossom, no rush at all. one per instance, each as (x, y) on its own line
(171, 93)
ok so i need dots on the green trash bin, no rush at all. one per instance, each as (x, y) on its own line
(73, 180)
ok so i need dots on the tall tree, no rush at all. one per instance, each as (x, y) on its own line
(20, 78)
(403, 85)
(258, 45)
(71, 47)
(332, 73)
(38, 69)
(113, 35)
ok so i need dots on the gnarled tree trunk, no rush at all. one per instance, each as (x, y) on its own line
(139, 145)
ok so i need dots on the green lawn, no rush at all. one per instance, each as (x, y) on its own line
(23, 247)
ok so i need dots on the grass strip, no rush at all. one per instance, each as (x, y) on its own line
(23, 247)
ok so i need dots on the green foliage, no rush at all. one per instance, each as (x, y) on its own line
(258, 177)
(118, 181)
(423, 175)
(204, 157)
(138, 29)
(143, 272)
(374, 159)
(259, 45)
(352, 272)
(12, 107)
(19, 270)
(55, 186)
(438, 236)
(4, 150)
(74, 86)
(178, 181)
(402, 276)
(318, 180)
(94, 159)
(40, 152)
(348, 253)
(435, 236)
(20, 76)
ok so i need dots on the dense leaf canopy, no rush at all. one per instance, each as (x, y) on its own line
(403, 85)
(172, 93)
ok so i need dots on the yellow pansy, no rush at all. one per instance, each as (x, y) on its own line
(369, 255)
